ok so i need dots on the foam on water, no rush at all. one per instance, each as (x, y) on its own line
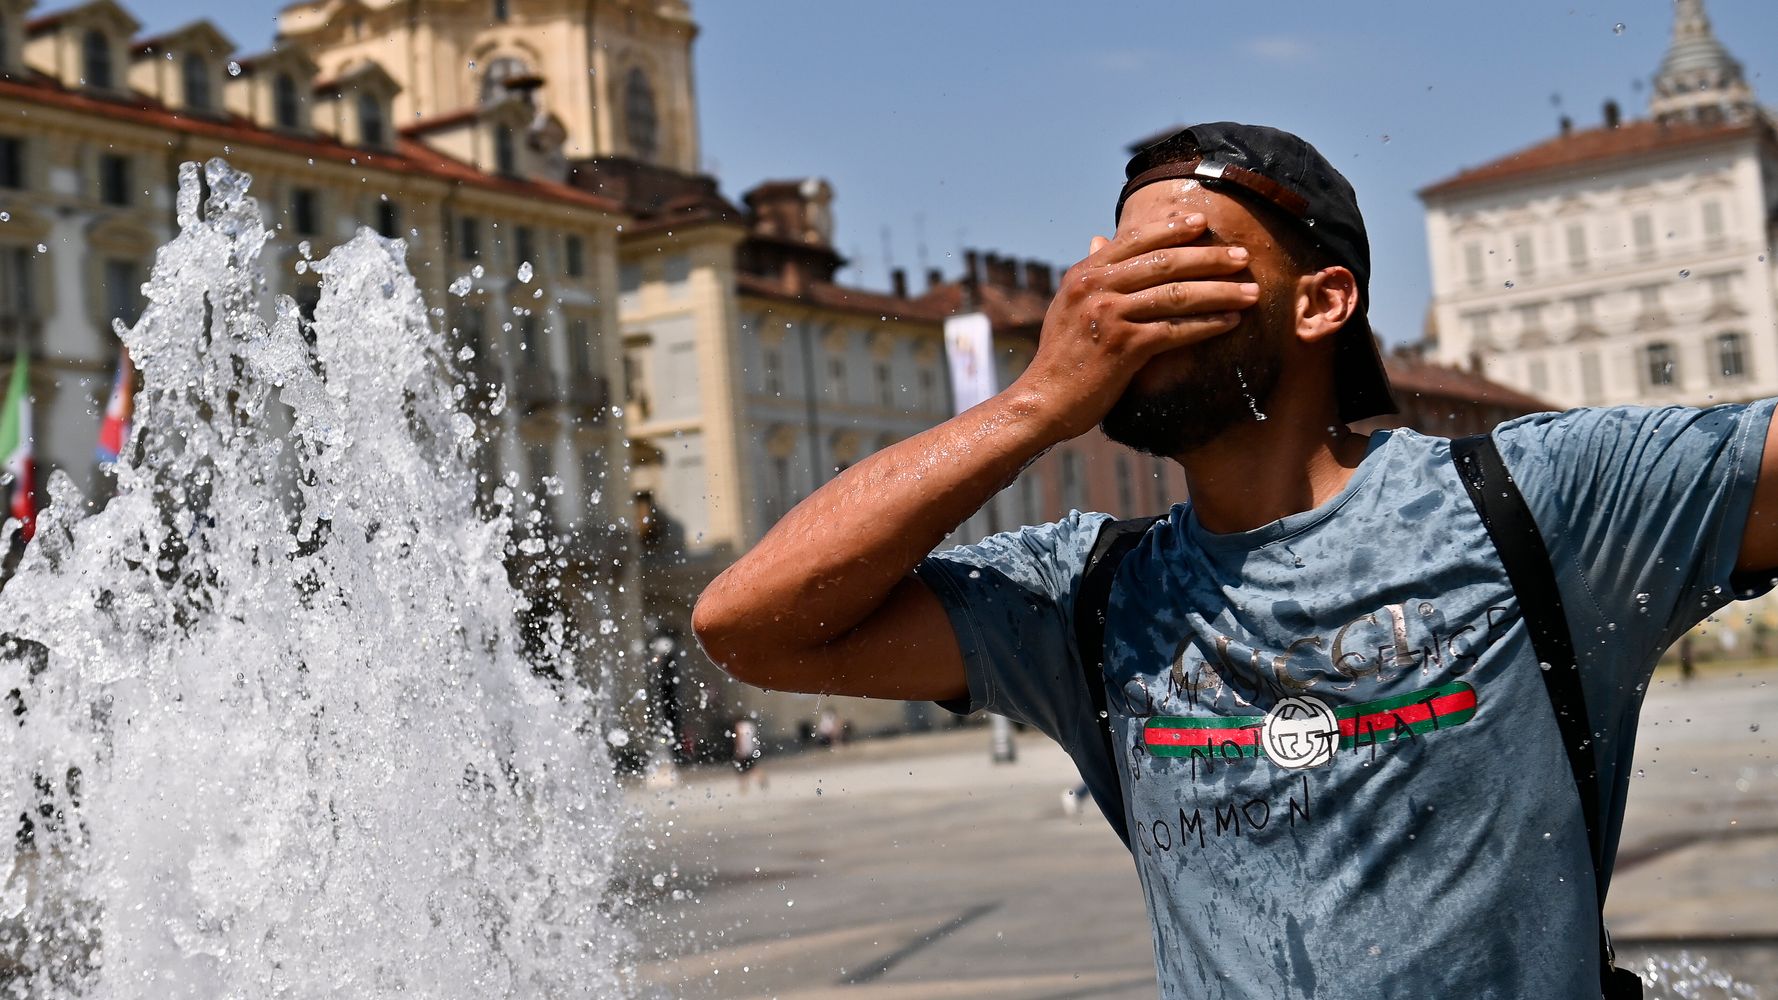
(276, 726)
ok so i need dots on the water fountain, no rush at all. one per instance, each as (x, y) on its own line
(275, 727)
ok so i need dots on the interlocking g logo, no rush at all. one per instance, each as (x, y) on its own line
(1300, 733)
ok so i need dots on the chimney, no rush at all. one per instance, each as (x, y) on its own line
(1567, 124)
(934, 278)
(1613, 116)
(1002, 272)
(972, 268)
(898, 279)
(1039, 279)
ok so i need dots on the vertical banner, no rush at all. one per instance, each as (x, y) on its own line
(969, 350)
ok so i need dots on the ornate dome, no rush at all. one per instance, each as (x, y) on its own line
(1699, 80)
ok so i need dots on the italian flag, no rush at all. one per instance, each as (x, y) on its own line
(1381, 721)
(15, 446)
(114, 431)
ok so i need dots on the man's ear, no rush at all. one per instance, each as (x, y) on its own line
(1325, 300)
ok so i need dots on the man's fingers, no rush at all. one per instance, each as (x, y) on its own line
(1158, 267)
(1182, 331)
(1180, 299)
(1174, 231)
(1099, 243)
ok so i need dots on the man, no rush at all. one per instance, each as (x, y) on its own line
(1315, 576)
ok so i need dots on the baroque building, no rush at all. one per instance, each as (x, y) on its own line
(1625, 263)
(94, 122)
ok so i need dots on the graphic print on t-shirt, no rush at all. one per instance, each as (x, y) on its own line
(1302, 732)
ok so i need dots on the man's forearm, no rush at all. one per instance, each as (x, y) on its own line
(833, 560)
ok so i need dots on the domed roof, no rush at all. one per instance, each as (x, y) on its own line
(1698, 78)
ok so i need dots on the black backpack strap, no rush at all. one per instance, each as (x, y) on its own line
(1091, 600)
(1527, 561)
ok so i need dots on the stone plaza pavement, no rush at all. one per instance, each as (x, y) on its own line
(915, 868)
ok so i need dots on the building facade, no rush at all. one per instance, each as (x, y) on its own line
(94, 123)
(1626, 263)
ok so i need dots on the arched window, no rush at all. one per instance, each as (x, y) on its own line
(95, 51)
(197, 82)
(640, 122)
(506, 157)
(494, 80)
(370, 120)
(286, 107)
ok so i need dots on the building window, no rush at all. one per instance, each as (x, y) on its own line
(196, 76)
(928, 391)
(836, 376)
(574, 256)
(12, 163)
(1474, 267)
(1126, 487)
(388, 218)
(1731, 355)
(494, 89)
(676, 272)
(781, 496)
(123, 291)
(1538, 374)
(1073, 485)
(304, 219)
(114, 179)
(95, 50)
(286, 105)
(1481, 332)
(1658, 364)
(772, 365)
(530, 347)
(1530, 320)
(469, 237)
(1592, 381)
(18, 298)
(583, 345)
(1577, 244)
(506, 155)
(1713, 223)
(640, 122)
(885, 386)
(524, 247)
(371, 130)
(502, 10)
(629, 279)
(1526, 252)
(1642, 234)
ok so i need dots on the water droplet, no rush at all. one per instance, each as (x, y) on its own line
(525, 272)
(5, 216)
(464, 425)
(477, 271)
(42, 249)
(1385, 137)
(1641, 598)
(1685, 272)
(1753, 727)
(1541, 665)
(461, 286)
(659, 881)
(234, 68)
(1546, 835)
(1618, 28)
(1509, 282)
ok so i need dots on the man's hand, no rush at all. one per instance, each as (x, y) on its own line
(1132, 298)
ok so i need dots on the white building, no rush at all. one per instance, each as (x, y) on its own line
(1628, 263)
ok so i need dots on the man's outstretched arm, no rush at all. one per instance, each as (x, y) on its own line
(827, 602)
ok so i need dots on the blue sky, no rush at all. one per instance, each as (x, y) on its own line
(1002, 126)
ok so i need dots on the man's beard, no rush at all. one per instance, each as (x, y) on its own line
(1230, 379)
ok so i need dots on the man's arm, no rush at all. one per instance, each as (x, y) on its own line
(1759, 542)
(827, 602)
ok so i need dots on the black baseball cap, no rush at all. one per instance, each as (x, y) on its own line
(1283, 171)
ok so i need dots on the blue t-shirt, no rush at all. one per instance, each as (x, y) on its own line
(1339, 763)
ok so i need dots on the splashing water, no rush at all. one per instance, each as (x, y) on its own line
(273, 727)
(1685, 976)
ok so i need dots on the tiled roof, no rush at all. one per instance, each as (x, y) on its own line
(1594, 147)
(1007, 309)
(408, 157)
(1413, 377)
(838, 297)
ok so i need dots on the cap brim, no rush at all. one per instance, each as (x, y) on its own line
(1359, 376)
